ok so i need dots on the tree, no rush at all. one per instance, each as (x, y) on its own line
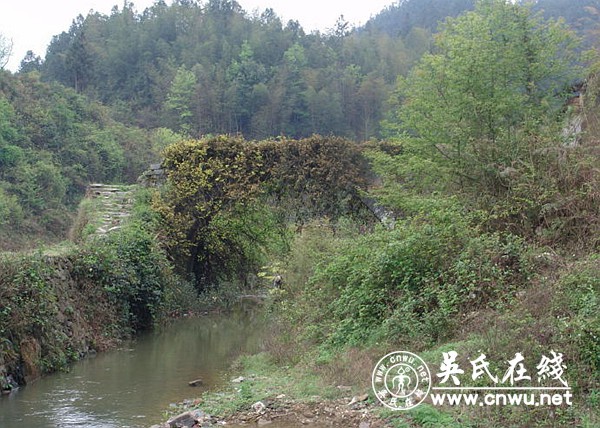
(79, 58)
(293, 103)
(179, 100)
(369, 97)
(207, 181)
(499, 75)
(244, 74)
(8, 133)
(31, 62)
(5, 51)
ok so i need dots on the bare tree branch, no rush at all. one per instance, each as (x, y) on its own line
(6, 46)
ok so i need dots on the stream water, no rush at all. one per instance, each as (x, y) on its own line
(133, 386)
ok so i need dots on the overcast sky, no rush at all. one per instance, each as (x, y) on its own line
(32, 23)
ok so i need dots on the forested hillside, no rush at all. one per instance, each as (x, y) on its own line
(398, 19)
(53, 143)
(211, 67)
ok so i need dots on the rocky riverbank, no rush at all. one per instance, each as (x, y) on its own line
(262, 392)
(347, 412)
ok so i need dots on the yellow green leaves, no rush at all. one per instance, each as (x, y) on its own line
(223, 195)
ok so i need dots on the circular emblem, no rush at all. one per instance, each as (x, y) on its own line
(401, 380)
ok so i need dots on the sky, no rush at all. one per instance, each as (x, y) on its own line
(30, 24)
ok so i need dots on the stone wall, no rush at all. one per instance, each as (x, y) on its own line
(153, 177)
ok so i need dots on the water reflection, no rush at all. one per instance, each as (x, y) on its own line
(133, 386)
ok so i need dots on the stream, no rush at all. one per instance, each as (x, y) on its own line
(134, 385)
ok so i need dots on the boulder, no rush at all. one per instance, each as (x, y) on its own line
(196, 382)
(183, 420)
(259, 407)
(359, 398)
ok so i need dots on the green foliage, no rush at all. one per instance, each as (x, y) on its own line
(484, 119)
(53, 143)
(577, 304)
(264, 379)
(430, 417)
(208, 181)
(553, 201)
(179, 99)
(11, 212)
(402, 17)
(161, 138)
(7, 118)
(408, 285)
(498, 76)
(580, 15)
(132, 57)
(235, 73)
(427, 15)
(128, 268)
(227, 201)
(132, 268)
(34, 294)
(314, 177)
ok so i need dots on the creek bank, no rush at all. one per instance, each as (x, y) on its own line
(348, 412)
(260, 391)
(116, 282)
(51, 315)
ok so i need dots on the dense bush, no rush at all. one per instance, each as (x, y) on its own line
(49, 314)
(409, 284)
(132, 267)
(575, 303)
(227, 202)
(129, 267)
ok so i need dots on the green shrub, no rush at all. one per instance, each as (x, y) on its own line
(11, 211)
(577, 308)
(31, 295)
(407, 284)
(132, 267)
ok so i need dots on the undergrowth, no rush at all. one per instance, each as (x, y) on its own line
(56, 306)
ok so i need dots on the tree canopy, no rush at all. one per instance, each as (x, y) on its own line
(214, 68)
(497, 76)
